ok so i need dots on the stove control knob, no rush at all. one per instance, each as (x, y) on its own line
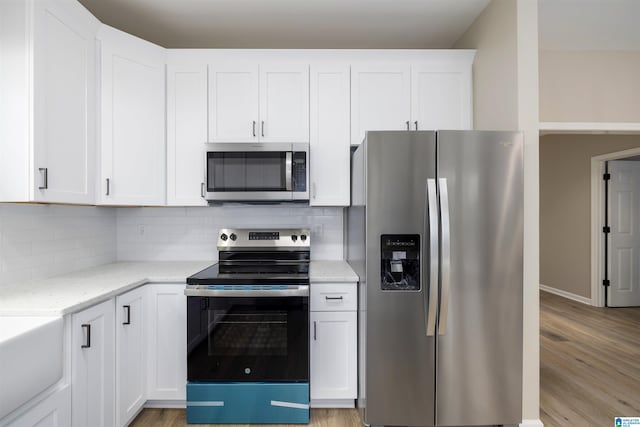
(224, 237)
(233, 237)
(303, 237)
(294, 237)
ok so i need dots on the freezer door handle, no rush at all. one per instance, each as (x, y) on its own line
(445, 254)
(431, 219)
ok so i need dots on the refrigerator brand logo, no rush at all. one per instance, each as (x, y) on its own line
(506, 143)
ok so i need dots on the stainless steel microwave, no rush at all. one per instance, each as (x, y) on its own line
(247, 172)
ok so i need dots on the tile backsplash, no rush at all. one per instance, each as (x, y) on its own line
(172, 234)
(40, 241)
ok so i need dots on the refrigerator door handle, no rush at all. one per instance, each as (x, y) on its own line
(445, 254)
(431, 217)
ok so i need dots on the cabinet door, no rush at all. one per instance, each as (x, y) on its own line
(333, 355)
(54, 411)
(441, 97)
(284, 103)
(380, 99)
(133, 120)
(329, 139)
(167, 341)
(92, 366)
(131, 352)
(186, 134)
(233, 103)
(64, 102)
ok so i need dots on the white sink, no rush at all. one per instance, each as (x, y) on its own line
(30, 358)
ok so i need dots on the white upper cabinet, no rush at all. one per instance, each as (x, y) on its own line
(186, 134)
(284, 103)
(47, 106)
(258, 103)
(329, 145)
(133, 120)
(441, 96)
(380, 99)
(233, 94)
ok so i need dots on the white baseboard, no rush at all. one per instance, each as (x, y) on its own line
(332, 403)
(165, 404)
(565, 294)
(531, 423)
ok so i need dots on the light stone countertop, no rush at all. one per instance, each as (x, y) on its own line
(331, 271)
(76, 291)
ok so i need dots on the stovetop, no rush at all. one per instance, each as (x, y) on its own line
(258, 257)
(212, 276)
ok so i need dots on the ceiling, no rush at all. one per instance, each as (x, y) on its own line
(287, 24)
(589, 24)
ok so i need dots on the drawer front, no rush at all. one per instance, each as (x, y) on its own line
(334, 297)
(248, 403)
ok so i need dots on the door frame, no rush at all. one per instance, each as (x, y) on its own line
(597, 221)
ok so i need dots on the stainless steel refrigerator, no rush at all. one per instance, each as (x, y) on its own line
(435, 232)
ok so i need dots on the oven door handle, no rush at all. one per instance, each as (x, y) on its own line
(301, 291)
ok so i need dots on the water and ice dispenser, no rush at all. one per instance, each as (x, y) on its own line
(400, 262)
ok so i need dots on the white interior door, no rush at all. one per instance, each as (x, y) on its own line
(624, 239)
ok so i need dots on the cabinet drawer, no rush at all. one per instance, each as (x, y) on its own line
(248, 403)
(334, 297)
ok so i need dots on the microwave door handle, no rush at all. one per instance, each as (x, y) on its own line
(431, 218)
(288, 171)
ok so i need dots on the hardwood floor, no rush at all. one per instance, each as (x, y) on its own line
(589, 363)
(177, 418)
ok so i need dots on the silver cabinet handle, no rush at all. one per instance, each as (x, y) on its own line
(288, 170)
(202, 190)
(333, 298)
(408, 127)
(446, 255)
(254, 129)
(262, 129)
(431, 217)
(87, 343)
(127, 308)
(313, 190)
(315, 331)
(416, 124)
(45, 178)
(108, 187)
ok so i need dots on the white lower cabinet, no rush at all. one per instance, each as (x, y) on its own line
(333, 381)
(92, 366)
(131, 354)
(167, 342)
(54, 411)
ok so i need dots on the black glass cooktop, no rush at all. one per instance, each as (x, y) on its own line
(252, 275)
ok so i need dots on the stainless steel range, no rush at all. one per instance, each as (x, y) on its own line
(248, 330)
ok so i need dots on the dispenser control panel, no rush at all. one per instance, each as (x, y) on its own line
(400, 262)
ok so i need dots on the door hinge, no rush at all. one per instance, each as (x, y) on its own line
(606, 229)
(606, 283)
(606, 176)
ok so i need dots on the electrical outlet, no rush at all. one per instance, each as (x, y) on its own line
(141, 230)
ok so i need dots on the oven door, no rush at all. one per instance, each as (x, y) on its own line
(248, 338)
(256, 172)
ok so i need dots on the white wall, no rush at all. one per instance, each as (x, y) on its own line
(40, 241)
(165, 234)
(590, 86)
(505, 81)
